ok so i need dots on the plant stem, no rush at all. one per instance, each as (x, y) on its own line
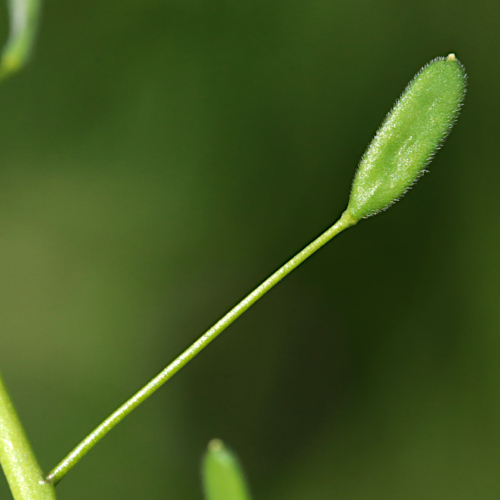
(24, 17)
(99, 432)
(18, 461)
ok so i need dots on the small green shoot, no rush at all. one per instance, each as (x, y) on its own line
(223, 477)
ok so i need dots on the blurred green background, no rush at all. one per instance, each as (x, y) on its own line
(159, 159)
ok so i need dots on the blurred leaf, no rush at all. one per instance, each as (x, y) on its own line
(222, 475)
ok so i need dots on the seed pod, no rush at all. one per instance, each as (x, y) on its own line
(223, 478)
(408, 138)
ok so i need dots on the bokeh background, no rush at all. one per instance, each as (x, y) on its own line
(159, 159)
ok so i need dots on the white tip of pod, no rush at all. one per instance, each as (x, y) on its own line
(451, 57)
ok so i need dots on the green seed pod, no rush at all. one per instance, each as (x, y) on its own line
(223, 478)
(408, 138)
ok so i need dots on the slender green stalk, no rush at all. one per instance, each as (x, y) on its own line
(24, 16)
(18, 461)
(403, 146)
(99, 432)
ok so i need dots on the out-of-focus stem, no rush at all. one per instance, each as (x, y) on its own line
(18, 461)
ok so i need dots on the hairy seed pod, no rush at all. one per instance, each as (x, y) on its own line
(408, 138)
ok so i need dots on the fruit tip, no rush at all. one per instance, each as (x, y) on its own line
(215, 445)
